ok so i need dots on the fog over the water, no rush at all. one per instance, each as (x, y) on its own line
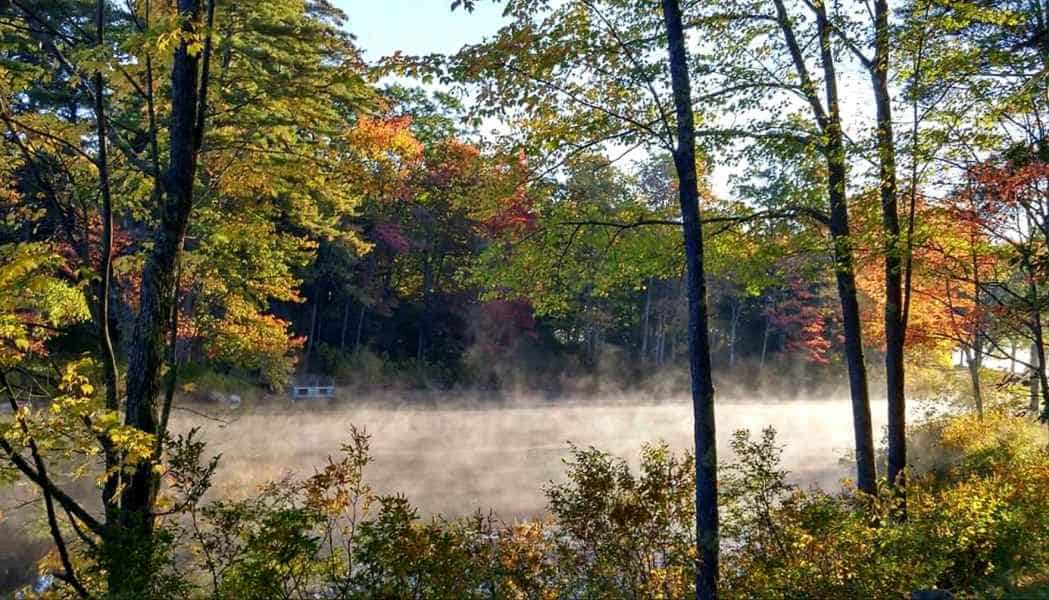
(454, 453)
(456, 460)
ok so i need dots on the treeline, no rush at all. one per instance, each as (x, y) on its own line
(505, 291)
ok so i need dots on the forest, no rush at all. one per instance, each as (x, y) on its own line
(602, 219)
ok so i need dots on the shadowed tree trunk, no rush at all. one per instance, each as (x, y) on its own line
(130, 567)
(360, 330)
(829, 121)
(644, 321)
(105, 270)
(732, 333)
(1037, 332)
(1038, 360)
(426, 317)
(345, 325)
(312, 337)
(1035, 382)
(973, 360)
(698, 338)
(765, 338)
(972, 350)
(895, 333)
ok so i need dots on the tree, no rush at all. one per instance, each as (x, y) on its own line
(793, 79)
(989, 110)
(179, 213)
(573, 266)
(698, 337)
(1012, 204)
(548, 63)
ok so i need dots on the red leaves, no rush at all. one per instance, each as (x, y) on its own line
(1011, 185)
(502, 322)
(392, 236)
(808, 320)
(450, 163)
(515, 216)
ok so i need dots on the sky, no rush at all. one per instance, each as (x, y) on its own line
(417, 26)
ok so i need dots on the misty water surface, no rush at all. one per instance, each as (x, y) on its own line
(454, 461)
(457, 460)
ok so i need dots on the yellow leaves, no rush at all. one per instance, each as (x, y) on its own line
(137, 446)
(31, 296)
(166, 41)
(251, 339)
(74, 421)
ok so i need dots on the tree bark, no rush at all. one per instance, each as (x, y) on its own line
(973, 361)
(425, 318)
(360, 330)
(644, 321)
(971, 357)
(311, 339)
(105, 271)
(765, 340)
(829, 121)
(707, 536)
(1038, 332)
(132, 535)
(1035, 382)
(345, 325)
(895, 333)
(732, 333)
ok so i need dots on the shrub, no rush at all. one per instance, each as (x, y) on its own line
(976, 524)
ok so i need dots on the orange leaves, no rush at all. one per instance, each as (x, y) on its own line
(382, 155)
(252, 340)
(379, 137)
(950, 254)
(1012, 185)
(808, 319)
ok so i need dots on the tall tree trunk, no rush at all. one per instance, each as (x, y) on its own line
(846, 283)
(1035, 381)
(360, 329)
(895, 333)
(829, 121)
(345, 325)
(1037, 333)
(661, 338)
(972, 359)
(644, 320)
(105, 270)
(312, 337)
(765, 341)
(866, 474)
(1039, 363)
(129, 545)
(707, 536)
(426, 316)
(732, 333)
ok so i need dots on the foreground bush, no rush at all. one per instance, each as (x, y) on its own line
(977, 524)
